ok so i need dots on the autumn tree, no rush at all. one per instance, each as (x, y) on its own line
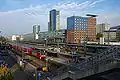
(3, 39)
(5, 73)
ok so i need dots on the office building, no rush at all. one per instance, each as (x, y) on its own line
(91, 29)
(100, 28)
(36, 30)
(111, 35)
(48, 26)
(80, 28)
(54, 18)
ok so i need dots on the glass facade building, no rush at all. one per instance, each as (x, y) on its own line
(77, 23)
(54, 20)
(81, 28)
(36, 28)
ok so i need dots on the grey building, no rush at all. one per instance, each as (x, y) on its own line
(52, 37)
(112, 35)
(28, 37)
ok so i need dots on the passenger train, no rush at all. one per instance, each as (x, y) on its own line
(29, 50)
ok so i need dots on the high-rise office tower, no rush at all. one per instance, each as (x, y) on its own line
(36, 30)
(48, 26)
(54, 18)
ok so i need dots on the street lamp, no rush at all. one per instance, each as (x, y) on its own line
(47, 62)
(46, 54)
(45, 42)
(108, 36)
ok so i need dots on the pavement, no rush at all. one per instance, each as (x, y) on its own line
(22, 75)
(57, 60)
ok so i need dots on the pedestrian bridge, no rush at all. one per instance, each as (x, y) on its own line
(103, 61)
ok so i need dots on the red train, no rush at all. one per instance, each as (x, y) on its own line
(28, 50)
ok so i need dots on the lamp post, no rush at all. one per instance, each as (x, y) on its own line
(45, 42)
(108, 36)
(46, 54)
(47, 62)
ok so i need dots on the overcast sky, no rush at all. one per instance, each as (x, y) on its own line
(18, 16)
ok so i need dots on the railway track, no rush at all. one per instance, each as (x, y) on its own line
(39, 63)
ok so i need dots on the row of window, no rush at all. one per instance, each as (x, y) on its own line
(82, 24)
(81, 19)
(80, 29)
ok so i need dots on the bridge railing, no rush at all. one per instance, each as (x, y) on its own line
(93, 63)
(58, 72)
(103, 58)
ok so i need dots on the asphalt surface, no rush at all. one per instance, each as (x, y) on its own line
(22, 75)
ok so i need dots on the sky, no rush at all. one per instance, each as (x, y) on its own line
(18, 16)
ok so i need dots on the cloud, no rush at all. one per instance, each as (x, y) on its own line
(96, 2)
(112, 18)
(21, 20)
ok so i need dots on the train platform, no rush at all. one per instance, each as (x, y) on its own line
(57, 60)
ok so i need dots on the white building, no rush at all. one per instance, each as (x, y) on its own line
(13, 37)
(100, 28)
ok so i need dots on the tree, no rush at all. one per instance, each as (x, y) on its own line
(98, 36)
(3, 39)
(5, 73)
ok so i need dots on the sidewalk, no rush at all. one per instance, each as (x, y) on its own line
(22, 75)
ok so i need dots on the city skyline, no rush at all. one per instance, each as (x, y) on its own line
(18, 16)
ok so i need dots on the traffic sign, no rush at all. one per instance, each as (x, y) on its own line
(39, 74)
(73, 52)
